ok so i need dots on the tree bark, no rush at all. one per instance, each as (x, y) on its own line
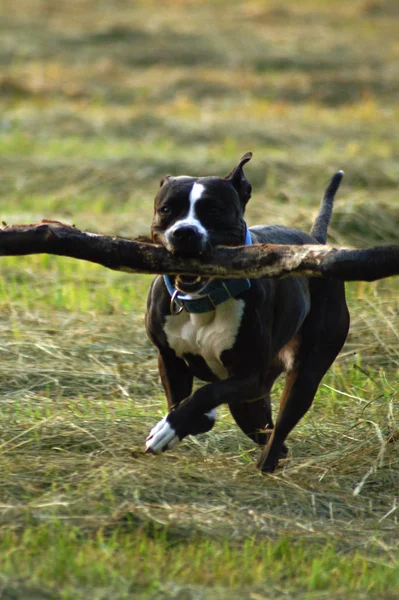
(259, 260)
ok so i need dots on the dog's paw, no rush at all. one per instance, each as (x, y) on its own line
(162, 437)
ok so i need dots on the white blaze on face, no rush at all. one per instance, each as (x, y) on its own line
(190, 220)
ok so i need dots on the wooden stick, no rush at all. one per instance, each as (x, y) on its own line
(259, 260)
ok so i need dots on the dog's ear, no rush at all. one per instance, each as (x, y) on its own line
(165, 180)
(239, 181)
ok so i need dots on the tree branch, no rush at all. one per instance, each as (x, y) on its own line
(259, 260)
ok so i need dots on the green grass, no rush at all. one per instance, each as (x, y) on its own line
(99, 101)
(165, 564)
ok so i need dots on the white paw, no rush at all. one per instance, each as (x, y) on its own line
(162, 437)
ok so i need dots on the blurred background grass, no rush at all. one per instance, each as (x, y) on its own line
(98, 101)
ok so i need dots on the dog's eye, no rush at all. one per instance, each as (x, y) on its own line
(214, 210)
(165, 210)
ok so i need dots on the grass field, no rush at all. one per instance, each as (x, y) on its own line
(98, 101)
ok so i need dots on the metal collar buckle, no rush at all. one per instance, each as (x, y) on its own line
(175, 307)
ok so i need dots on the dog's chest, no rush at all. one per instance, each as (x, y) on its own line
(207, 334)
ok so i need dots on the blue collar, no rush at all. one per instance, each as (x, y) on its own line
(214, 293)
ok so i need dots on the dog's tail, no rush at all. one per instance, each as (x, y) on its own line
(320, 225)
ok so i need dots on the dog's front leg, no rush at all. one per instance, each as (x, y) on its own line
(188, 418)
(176, 377)
(177, 382)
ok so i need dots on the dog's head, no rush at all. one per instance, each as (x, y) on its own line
(192, 215)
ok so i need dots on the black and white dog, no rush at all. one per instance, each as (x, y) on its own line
(238, 335)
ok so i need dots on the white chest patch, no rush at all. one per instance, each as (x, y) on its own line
(207, 334)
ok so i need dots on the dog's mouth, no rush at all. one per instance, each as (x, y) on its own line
(203, 252)
(190, 284)
(197, 248)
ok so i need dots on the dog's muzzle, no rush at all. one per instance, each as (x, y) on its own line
(186, 240)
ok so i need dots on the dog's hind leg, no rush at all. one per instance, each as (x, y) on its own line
(300, 389)
(324, 334)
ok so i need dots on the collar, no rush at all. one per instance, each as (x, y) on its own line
(214, 293)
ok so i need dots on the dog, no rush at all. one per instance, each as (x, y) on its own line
(237, 335)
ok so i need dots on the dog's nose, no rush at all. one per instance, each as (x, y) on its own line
(185, 239)
(185, 234)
